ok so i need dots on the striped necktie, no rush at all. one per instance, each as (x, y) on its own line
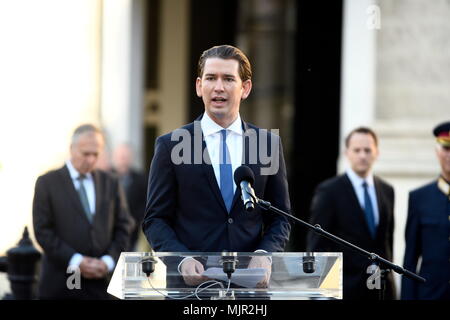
(83, 197)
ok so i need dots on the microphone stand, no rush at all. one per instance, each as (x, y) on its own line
(376, 259)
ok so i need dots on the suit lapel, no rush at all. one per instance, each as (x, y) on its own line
(98, 192)
(382, 211)
(72, 193)
(208, 171)
(247, 137)
(354, 199)
(206, 167)
(351, 191)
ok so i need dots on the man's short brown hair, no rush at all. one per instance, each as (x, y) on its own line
(364, 130)
(227, 52)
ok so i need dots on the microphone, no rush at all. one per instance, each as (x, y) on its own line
(309, 262)
(148, 265)
(229, 261)
(244, 177)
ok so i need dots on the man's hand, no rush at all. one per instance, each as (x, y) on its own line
(192, 270)
(102, 268)
(93, 268)
(262, 262)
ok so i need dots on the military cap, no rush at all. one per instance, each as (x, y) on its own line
(442, 133)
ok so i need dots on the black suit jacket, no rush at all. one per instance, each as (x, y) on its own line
(185, 211)
(336, 208)
(62, 229)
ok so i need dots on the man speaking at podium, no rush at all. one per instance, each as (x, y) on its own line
(193, 204)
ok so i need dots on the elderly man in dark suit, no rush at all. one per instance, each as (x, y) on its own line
(358, 207)
(81, 221)
(193, 205)
(428, 230)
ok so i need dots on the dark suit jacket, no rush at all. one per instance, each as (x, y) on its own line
(185, 210)
(62, 229)
(336, 208)
(428, 236)
(135, 186)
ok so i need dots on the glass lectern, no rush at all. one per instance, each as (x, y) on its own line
(281, 276)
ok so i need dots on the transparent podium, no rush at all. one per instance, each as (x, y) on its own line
(250, 276)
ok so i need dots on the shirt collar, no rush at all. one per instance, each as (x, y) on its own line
(444, 186)
(357, 180)
(74, 174)
(210, 127)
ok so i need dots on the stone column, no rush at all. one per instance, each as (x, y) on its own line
(122, 84)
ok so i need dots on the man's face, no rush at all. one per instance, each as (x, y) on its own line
(85, 151)
(222, 89)
(361, 153)
(122, 159)
(443, 154)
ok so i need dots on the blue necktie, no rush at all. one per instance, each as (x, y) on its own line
(368, 210)
(226, 172)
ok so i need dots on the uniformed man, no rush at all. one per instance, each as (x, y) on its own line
(428, 230)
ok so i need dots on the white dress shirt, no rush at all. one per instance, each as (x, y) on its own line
(88, 184)
(90, 192)
(357, 183)
(211, 133)
(212, 136)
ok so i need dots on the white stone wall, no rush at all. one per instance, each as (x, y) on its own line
(413, 60)
(409, 63)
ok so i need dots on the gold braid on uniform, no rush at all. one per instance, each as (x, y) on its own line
(444, 186)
